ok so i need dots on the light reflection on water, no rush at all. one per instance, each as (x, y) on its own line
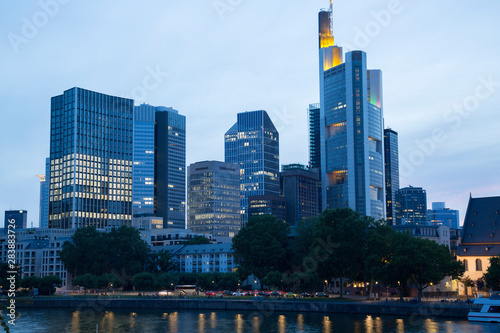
(63, 320)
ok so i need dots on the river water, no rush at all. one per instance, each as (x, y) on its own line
(65, 320)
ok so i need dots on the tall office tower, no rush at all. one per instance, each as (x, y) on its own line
(143, 188)
(214, 199)
(90, 160)
(44, 196)
(315, 146)
(267, 205)
(253, 143)
(18, 218)
(440, 215)
(299, 187)
(411, 206)
(352, 162)
(170, 167)
(391, 158)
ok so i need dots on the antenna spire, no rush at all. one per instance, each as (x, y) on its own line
(331, 17)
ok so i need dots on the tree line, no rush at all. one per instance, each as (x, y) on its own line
(340, 244)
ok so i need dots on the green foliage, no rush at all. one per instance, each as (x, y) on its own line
(106, 280)
(167, 281)
(492, 275)
(121, 251)
(144, 282)
(4, 268)
(161, 261)
(273, 280)
(337, 249)
(262, 246)
(48, 284)
(197, 240)
(87, 281)
(30, 282)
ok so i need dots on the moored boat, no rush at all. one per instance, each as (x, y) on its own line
(486, 309)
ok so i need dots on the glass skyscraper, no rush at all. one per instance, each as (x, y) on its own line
(159, 176)
(44, 196)
(214, 199)
(440, 215)
(90, 181)
(411, 206)
(351, 128)
(253, 143)
(170, 167)
(391, 158)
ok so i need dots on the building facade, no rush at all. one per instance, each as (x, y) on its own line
(170, 167)
(314, 113)
(351, 128)
(440, 215)
(43, 219)
(90, 181)
(300, 188)
(411, 206)
(214, 199)
(267, 205)
(391, 160)
(480, 239)
(253, 143)
(17, 219)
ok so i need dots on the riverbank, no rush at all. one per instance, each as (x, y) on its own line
(266, 306)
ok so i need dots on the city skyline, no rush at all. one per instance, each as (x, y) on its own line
(243, 67)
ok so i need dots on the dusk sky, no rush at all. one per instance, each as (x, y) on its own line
(212, 59)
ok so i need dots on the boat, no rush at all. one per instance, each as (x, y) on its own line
(486, 309)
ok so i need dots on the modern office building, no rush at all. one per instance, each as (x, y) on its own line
(159, 175)
(315, 146)
(43, 220)
(267, 205)
(411, 206)
(391, 159)
(143, 187)
(170, 167)
(90, 160)
(16, 218)
(440, 215)
(253, 143)
(214, 199)
(300, 188)
(351, 128)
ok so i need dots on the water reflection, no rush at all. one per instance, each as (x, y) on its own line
(63, 320)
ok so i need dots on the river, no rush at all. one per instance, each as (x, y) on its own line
(65, 320)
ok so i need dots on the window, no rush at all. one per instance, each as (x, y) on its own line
(479, 265)
(466, 265)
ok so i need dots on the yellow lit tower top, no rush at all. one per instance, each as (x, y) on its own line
(333, 56)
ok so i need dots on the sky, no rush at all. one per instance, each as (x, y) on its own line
(213, 59)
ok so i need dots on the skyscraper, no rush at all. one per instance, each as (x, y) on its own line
(411, 206)
(391, 158)
(214, 199)
(351, 128)
(253, 143)
(90, 160)
(17, 218)
(159, 164)
(299, 187)
(440, 215)
(44, 196)
(170, 167)
(314, 113)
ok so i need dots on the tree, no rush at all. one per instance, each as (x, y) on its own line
(261, 246)
(48, 284)
(161, 261)
(107, 280)
(86, 253)
(492, 275)
(337, 249)
(273, 279)
(432, 263)
(30, 282)
(467, 282)
(167, 281)
(198, 240)
(144, 281)
(87, 281)
(5, 278)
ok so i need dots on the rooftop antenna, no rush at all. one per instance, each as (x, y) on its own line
(331, 17)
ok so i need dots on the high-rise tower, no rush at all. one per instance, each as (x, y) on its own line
(351, 128)
(253, 143)
(391, 158)
(90, 182)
